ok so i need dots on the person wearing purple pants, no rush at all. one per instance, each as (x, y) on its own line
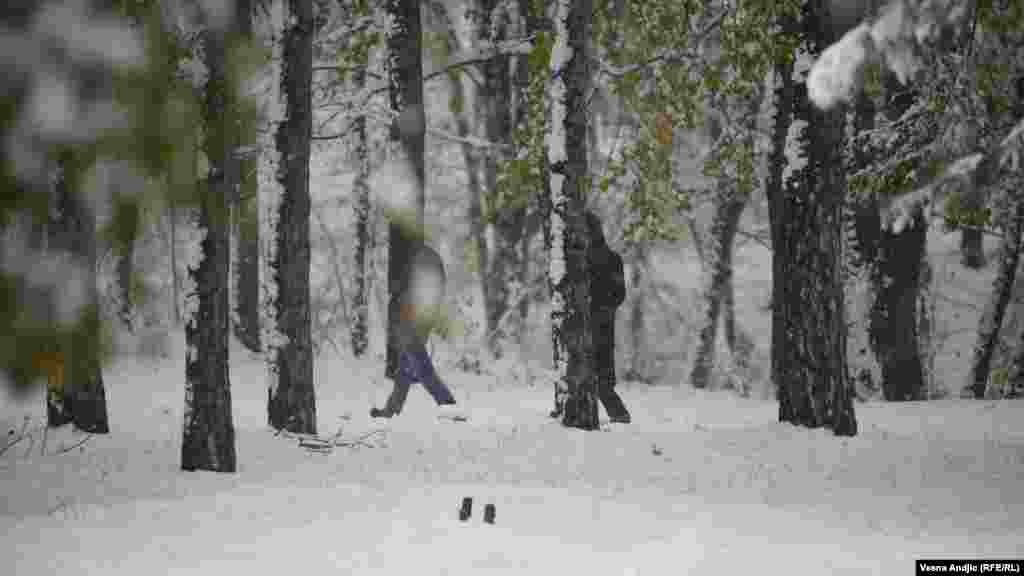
(417, 319)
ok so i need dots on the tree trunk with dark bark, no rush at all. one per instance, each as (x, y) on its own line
(813, 388)
(778, 216)
(972, 247)
(472, 158)
(247, 275)
(894, 316)
(208, 441)
(292, 401)
(637, 369)
(992, 318)
(407, 141)
(361, 188)
(81, 398)
(718, 280)
(567, 158)
(1014, 387)
(128, 229)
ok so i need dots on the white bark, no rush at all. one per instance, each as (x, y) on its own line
(555, 145)
(270, 194)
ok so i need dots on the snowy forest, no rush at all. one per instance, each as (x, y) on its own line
(511, 286)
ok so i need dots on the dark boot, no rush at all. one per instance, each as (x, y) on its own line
(396, 401)
(615, 408)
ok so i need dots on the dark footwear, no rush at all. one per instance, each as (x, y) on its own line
(616, 410)
(623, 418)
(378, 413)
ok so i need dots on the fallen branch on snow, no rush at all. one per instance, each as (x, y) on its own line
(64, 449)
(16, 437)
(320, 444)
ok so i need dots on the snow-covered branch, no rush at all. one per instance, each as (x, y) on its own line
(975, 170)
(483, 53)
(893, 40)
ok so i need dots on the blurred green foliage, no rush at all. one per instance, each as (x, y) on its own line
(157, 134)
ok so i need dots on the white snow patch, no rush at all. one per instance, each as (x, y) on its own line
(699, 482)
(192, 257)
(837, 72)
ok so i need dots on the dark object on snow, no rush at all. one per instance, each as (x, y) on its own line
(489, 514)
(467, 509)
(607, 293)
(425, 289)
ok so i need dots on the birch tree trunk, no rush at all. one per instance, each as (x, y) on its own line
(361, 188)
(292, 401)
(575, 391)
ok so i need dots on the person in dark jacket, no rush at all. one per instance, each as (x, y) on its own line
(419, 315)
(607, 292)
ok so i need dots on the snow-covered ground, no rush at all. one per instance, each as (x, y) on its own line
(700, 483)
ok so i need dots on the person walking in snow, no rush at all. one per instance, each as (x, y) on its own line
(607, 293)
(420, 308)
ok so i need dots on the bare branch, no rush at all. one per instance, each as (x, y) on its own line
(75, 445)
(665, 56)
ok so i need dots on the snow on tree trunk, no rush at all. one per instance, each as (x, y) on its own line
(508, 215)
(361, 188)
(992, 317)
(637, 369)
(208, 441)
(461, 110)
(292, 402)
(716, 257)
(894, 316)
(718, 279)
(566, 142)
(814, 389)
(406, 144)
(270, 191)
